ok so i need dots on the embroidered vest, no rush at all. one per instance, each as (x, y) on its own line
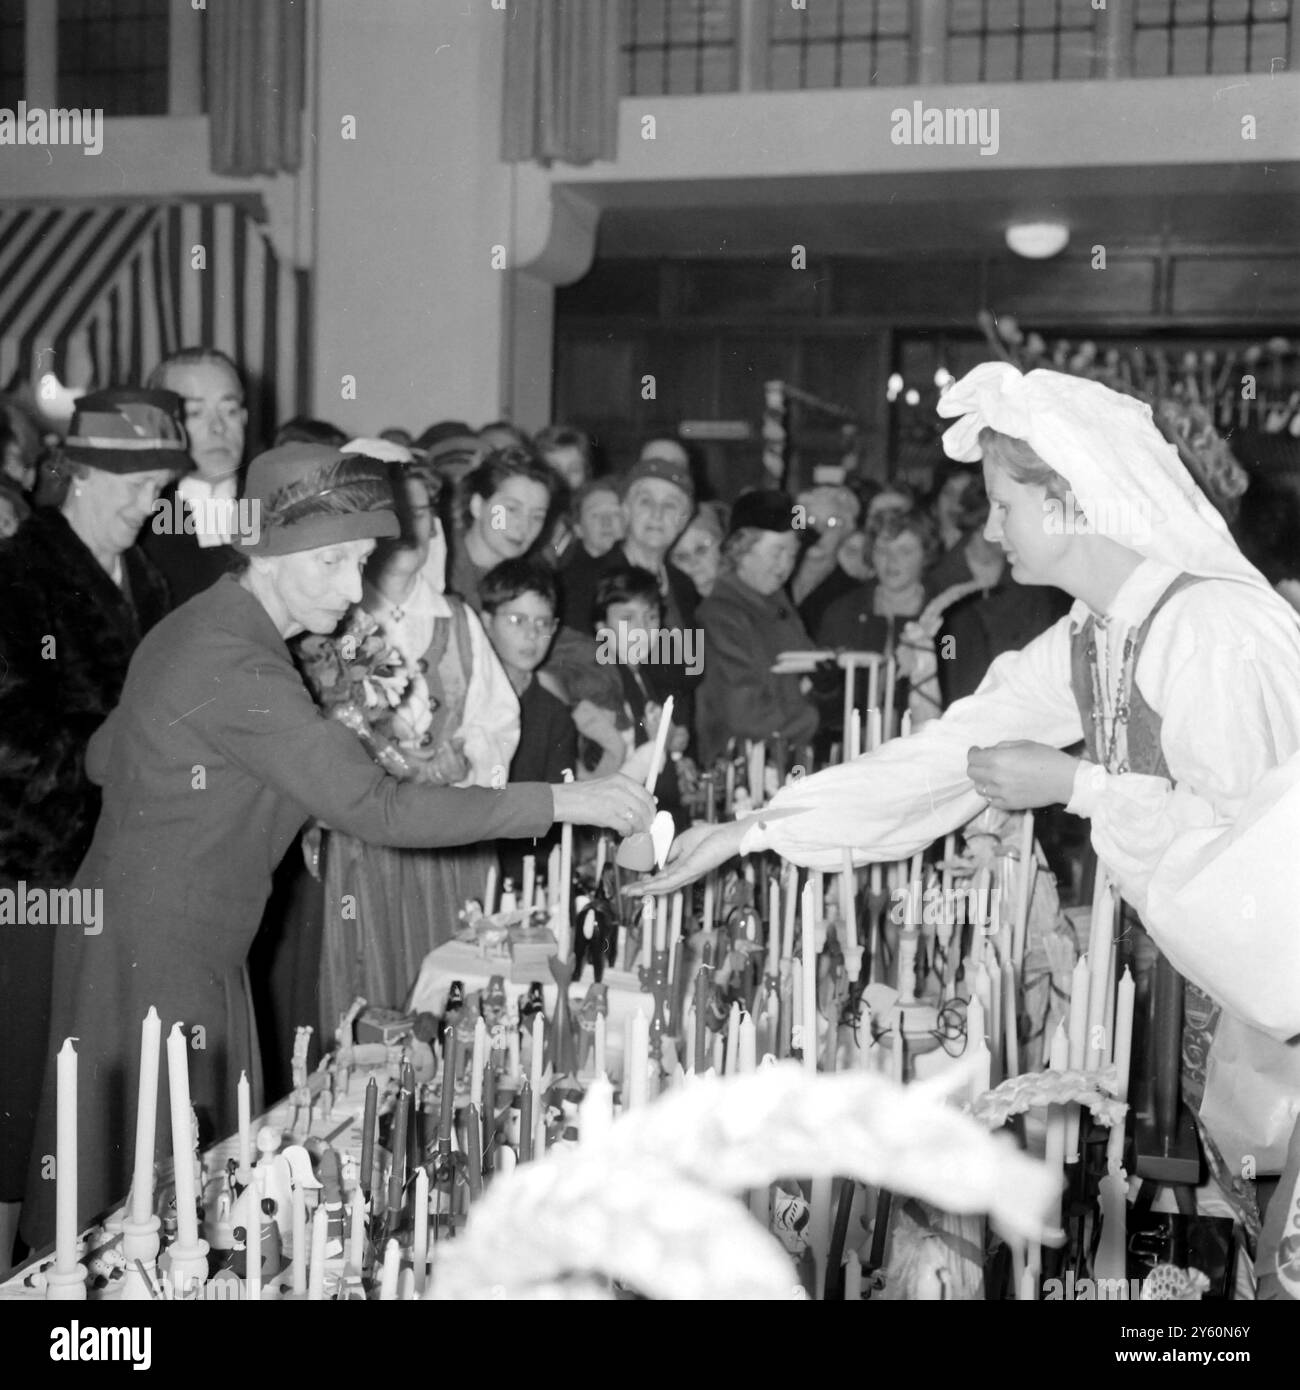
(1144, 754)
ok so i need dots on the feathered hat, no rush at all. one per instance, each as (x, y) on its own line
(310, 495)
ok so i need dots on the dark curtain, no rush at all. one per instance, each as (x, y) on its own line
(561, 90)
(255, 64)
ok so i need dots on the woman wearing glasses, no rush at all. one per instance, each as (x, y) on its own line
(457, 725)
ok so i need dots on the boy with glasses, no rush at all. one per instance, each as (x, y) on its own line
(519, 618)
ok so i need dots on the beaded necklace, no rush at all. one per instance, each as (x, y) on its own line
(1110, 720)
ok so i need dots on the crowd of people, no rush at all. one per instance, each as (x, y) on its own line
(474, 608)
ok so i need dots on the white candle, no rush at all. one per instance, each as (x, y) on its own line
(1011, 1040)
(600, 1046)
(539, 1108)
(773, 926)
(299, 1237)
(846, 719)
(526, 898)
(392, 1266)
(809, 980)
(596, 1113)
(1078, 1040)
(553, 876)
(975, 1021)
(478, 1060)
(791, 908)
(718, 1045)
(853, 735)
(891, 678)
(675, 930)
(245, 1123)
(647, 931)
(905, 724)
(65, 1162)
(796, 1001)
(638, 1061)
(420, 1235)
(848, 881)
(733, 1040)
(898, 1052)
(490, 890)
(1025, 889)
(757, 764)
(566, 883)
(357, 1234)
(1123, 1052)
(747, 1047)
(1099, 978)
(146, 1114)
(661, 922)
(875, 729)
(316, 1267)
(178, 1081)
(253, 1239)
(1054, 1150)
(852, 1278)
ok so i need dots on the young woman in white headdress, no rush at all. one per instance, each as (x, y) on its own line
(1181, 668)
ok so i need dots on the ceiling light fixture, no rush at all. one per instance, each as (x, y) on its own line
(1037, 240)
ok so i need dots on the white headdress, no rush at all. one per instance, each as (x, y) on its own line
(1108, 448)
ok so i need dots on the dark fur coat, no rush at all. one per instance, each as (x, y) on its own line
(66, 637)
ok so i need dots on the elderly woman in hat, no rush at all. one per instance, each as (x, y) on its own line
(748, 622)
(76, 595)
(210, 765)
(458, 725)
(1180, 668)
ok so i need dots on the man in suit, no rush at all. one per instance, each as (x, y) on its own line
(189, 537)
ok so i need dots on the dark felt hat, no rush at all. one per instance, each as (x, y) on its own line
(128, 430)
(310, 495)
(764, 509)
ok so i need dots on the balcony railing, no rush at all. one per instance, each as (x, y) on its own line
(678, 47)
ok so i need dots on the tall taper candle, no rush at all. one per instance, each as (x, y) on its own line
(397, 1145)
(733, 1039)
(420, 1231)
(478, 1059)
(392, 1267)
(746, 1046)
(316, 1266)
(367, 1175)
(1078, 1038)
(529, 892)
(553, 877)
(490, 890)
(1123, 1042)
(675, 929)
(65, 1162)
(526, 1122)
(809, 979)
(600, 1068)
(357, 1232)
(253, 1239)
(245, 1124)
(791, 911)
(146, 1114)
(539, 1105)
(848, 882)
(564, 935)
(300, 1255)
(178, 1081)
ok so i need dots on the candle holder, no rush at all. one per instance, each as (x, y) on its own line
(66, 1286)
(189, 1266)
(140, 1246)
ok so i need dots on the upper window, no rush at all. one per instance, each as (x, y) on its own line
(113, 55)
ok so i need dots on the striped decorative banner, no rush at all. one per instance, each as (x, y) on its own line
(100, 293)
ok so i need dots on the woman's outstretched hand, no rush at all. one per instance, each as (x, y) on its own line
(1020, 775)
(694, 852)
(613, 803)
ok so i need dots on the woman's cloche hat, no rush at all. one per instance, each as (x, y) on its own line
(311, 495)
